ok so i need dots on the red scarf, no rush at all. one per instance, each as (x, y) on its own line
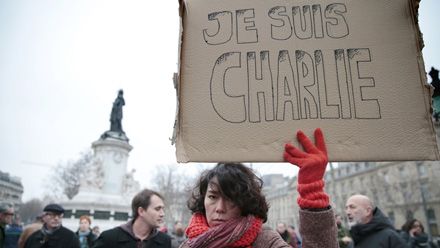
(238, 232)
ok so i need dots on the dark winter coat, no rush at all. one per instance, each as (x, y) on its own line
(12, 234)
(418, 241)
(91, 237)
(61, 238)
(123, 237)
(379, 232)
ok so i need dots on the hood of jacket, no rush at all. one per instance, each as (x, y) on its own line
(377, 223)
(128, 228)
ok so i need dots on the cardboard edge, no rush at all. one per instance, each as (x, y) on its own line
(428, 89)
(176, 139)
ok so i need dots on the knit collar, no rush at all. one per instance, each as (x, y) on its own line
(237, 232)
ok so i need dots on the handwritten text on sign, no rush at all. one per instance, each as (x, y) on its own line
(298, 88)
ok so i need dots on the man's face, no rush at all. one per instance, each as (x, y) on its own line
(281, 228)
(6, 217)
(218, 209)
(154, 214)
(356, 211)
(52, 220)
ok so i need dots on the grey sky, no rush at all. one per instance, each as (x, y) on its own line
(62, 62)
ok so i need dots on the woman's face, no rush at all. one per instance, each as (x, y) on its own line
(84, 225)
(218, 208)
(416, 228)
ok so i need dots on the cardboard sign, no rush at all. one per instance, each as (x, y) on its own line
(253, 72)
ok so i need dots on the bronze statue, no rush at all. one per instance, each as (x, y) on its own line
(116, 131)
(116, 115)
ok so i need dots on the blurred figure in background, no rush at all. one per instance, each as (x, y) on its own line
(85, 234)
(6, 214)
(414, 234)
(369, 227)
(30, 229)
(142, 231)
(286, 235)
(13, 232)
(178, 235)
(292, 231)
(343, 233)
(96, 231)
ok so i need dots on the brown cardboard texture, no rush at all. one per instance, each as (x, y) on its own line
(253, 72)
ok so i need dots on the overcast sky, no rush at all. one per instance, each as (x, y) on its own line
(62, 63)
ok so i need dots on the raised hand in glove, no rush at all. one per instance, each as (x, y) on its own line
(312, 163)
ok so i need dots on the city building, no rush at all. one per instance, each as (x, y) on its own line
(11, 189)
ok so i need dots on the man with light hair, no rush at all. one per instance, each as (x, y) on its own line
(369, 227)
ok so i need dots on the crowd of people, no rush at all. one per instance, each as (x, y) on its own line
(229, 209)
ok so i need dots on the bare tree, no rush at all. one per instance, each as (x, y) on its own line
(67, 176)
(30, 209)
(175, 187)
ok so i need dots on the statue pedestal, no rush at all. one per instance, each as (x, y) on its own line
(107, 189)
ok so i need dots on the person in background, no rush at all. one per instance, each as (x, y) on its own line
(414, 234)
(286, 235)
(369, 227)
(229, 208)
(52, 234)
(142, 231)
(178, 235)
(30, 229)
(6, 214)
(96, 231)
(343, 233)
(292, 231)
(13, 232)
(85, 234)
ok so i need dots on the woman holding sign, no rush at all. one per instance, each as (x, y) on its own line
(229, 208)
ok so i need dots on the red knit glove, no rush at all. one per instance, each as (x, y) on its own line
(311, 162)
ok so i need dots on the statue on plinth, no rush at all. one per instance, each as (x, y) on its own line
(116, 115)
(436, 95)
(116, 130)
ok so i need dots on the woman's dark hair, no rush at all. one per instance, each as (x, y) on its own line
(410, 223)
(238, 183)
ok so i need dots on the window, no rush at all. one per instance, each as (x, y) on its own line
(121, 216)
(386, 176)
(425, 190)
(102, 215)
(67, 214)
(402, 172)
(79, 213)
(432, 222)
(423, 171)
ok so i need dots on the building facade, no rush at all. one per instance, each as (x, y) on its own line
(11, 189)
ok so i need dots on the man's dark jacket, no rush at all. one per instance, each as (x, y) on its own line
(123, 237)
(61, 238)
(378, 233)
